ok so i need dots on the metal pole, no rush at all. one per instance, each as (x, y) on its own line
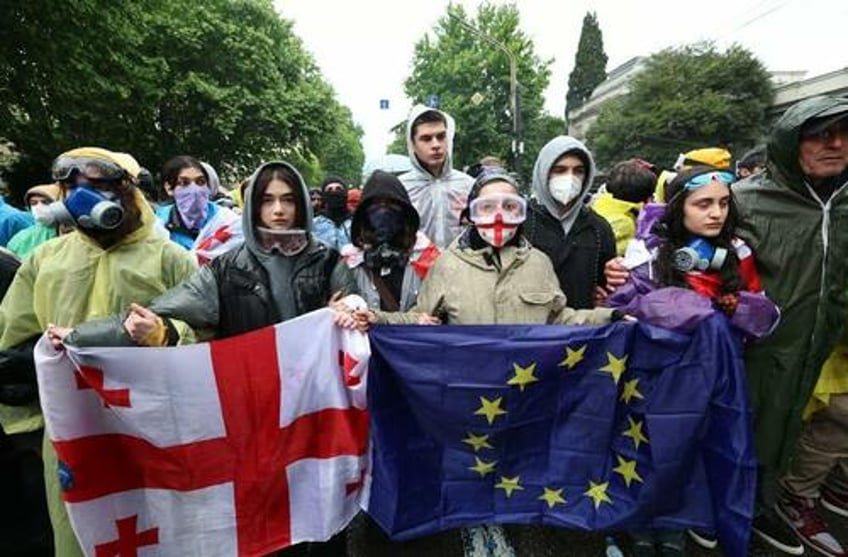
(513, 86)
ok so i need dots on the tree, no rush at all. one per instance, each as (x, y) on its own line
(687, 97)
(227, 81)
(590, 64)
(340, 152)
(461, 68)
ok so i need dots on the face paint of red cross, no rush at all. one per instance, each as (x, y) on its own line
(497, 233)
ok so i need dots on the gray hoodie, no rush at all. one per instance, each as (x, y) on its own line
(549, 154)
(279, 267)
(438, 199)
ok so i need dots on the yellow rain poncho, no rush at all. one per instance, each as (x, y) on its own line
(70, 280)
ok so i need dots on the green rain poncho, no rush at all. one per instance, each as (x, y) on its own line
(801, 248)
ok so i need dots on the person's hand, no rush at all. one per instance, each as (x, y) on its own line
(343, 317)
(427, 319)
(364, 319)
(727, 303)
(57, 335)
(141, 323)
(600, 296)
(336, 303)
(616, 273)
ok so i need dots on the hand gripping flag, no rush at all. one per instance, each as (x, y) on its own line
(605, 428)
(237, 447)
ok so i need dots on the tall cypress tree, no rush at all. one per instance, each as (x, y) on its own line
(590, 64)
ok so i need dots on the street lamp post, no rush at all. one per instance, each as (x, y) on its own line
(514, 105)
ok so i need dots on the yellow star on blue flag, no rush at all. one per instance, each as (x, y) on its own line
(627, 469)
(482, 467)
(598, 493)
(635, 432)
(509, 485)
(630, 391)
(491, 409)
(477, 442)
(615, 366)
(523, 376)
(573, 357)
(552, 497)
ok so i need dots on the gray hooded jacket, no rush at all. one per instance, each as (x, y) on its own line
(549, 154)
(440, 199)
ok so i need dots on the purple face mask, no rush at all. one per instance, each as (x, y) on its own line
(192, 203)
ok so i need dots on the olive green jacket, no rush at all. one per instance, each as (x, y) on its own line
(801, 248)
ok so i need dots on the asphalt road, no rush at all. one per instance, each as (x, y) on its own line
(570, 544)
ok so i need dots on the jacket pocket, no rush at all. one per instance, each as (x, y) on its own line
(535, 307)
(537, 298)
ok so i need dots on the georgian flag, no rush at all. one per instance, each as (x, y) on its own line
(241, 446)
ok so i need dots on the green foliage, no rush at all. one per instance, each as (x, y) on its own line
(456, 63)
(227, 81)
(590, 64)
(685, 98)
(341, 152)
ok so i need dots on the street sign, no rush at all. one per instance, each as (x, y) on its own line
(384, 104)
(433, 101)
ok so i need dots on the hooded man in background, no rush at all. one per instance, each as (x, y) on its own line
(37, 198)
(575, 238)
(438, 192)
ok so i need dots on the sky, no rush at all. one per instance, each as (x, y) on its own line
(364, 47)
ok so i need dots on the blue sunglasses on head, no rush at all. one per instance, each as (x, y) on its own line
(708, 178)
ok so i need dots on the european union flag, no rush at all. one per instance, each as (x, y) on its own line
(604, 428)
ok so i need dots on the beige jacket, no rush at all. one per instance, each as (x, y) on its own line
(466, 289)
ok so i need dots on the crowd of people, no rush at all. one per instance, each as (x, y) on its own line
(100, 257)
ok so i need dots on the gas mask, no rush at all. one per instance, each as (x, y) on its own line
(384, 256)
(285, 242)
(698, 255)
(86, 207)
(565, 188)
(497, 217)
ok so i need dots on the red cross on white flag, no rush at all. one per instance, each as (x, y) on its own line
(237, 447)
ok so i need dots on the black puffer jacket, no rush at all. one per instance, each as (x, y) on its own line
(244, 296)
(578, 258)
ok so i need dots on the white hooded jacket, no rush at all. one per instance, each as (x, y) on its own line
(438, 199)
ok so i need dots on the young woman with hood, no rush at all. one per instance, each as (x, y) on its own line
(576, 239)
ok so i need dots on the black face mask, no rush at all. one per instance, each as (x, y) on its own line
(386, 222)
(335, 200)
(383, 256)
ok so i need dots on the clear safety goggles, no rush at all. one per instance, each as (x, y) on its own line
(708, 178)
(512, 208)
(64, 168)
(286, 242)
